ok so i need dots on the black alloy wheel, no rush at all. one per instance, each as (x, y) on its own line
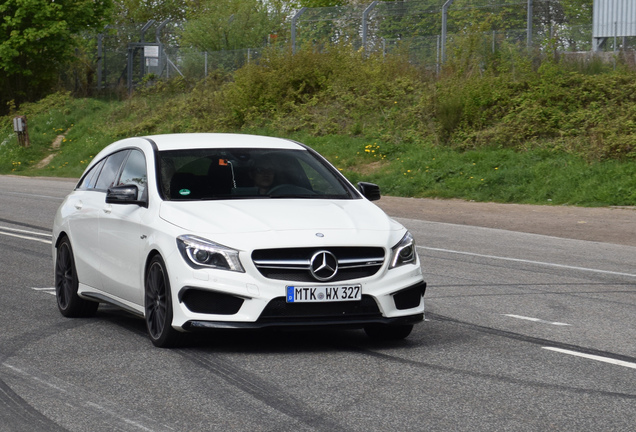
(66, 283)
(158, 305)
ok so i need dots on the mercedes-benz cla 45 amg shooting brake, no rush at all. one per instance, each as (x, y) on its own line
(222, 231)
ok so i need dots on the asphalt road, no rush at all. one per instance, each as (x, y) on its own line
(524, 332)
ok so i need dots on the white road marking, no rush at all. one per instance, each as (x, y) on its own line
(594, 357)
(46, 290)
(21, 231)
(538, 320)
(33, 195)
(530, 262)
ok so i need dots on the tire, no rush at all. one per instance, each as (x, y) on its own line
(385, 332)
(158, 305)
(66, 283)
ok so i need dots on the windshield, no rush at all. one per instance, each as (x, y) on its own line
(200, 174)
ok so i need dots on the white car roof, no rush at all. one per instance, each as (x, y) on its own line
(219, 140)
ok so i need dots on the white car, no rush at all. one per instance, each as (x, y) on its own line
(220, 231)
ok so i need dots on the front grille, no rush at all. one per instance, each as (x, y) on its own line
(279, 310)
(294, 264)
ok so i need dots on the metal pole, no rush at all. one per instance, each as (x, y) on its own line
(437, 56)
(615, 35)
(159, 28)
(444, 20)
(131, 54)
(365, 24)
(293, 28)
(100, 38)
(143, 34)
(529, 23)
(158, 40)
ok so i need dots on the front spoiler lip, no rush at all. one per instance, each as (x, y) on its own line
(300, 324)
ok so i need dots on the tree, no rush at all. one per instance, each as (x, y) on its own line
(218, 25)
(37, 39)
(141, 11)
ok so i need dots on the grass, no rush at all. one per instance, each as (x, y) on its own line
(496, 137)
(412, 170)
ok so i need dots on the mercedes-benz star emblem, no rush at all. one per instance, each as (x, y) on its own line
(324, 265)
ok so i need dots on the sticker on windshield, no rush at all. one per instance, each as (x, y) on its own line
(184, 192)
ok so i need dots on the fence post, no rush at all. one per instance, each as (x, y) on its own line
(365, 24)
(437, 55)
(142, 39)
(529, 24)
(293, 28)
(444, 20)
(100, 63)
(131, 54)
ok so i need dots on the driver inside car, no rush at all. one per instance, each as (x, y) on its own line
(263, 173)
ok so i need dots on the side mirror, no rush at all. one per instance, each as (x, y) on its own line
(123, 195)
(369, 190)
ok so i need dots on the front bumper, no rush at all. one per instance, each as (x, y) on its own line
(279, 314)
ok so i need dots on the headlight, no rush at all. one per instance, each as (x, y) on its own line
(201, 253)
(404, 251)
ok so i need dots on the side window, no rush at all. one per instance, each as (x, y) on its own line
(135, 173)
(111, 169)
(88, 181)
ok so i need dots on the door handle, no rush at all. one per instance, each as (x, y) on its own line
(79, 205)
(108, 209)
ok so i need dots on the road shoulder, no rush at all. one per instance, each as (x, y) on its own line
(600, 224)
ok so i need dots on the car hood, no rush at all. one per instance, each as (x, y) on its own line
(283, 222)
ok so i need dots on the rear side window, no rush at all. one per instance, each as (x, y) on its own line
(89, 180)
(110, 170)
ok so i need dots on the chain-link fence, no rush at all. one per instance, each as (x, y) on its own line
(430, 32)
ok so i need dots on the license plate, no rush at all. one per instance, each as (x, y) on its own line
(297, 294)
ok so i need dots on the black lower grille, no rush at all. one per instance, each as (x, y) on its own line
(210, 302)
(410, 297)
(279, 310)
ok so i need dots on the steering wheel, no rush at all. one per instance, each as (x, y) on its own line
(289, 189)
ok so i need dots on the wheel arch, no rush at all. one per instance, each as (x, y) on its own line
(60, 237)
(153, 253)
